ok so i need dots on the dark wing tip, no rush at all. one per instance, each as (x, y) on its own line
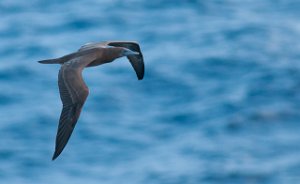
(140, 75)
(137, 62)
(49, 61)
(139, 67)
(55, 155)
(42, 62)
(59, 147)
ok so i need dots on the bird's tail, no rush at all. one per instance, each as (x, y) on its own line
(50, 61)
(60, 60)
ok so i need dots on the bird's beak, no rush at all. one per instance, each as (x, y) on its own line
(128, 52)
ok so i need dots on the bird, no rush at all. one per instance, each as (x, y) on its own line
(72, 88)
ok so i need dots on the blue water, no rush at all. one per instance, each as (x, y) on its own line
(219, 103)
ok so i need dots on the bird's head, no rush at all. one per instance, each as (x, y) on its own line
(112, 53)
(135, 58)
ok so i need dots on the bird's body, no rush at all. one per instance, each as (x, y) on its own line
(73, 90)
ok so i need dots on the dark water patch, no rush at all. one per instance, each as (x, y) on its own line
(11, 9)
(6, 99)
(106, 102)
(10, 32)
(261, 119)
(209, 151)
(221, 68)
(164, 133)
(238, 177)
(41, 121)
(110, 150)
(10, 51)
(229, 113)
(200, 6)
(269, 86)
(122, 142)
(294, 170)
(34, 50)
(168, 87)
(29, 131)
(247, 31)
(273, 116)
(6, 154)
(178, 118)
(80, 24)
(236, 123)
(36, 167)
(15, 73)
(159, 4)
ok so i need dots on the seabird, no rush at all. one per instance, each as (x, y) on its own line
(72, 88)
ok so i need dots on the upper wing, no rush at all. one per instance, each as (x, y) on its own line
(88, 46)
(73, 93)
(137, 61)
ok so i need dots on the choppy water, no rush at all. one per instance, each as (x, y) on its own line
(219, 103)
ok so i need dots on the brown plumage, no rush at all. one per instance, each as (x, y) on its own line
(73, 90)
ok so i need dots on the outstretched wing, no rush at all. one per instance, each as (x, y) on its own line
(73, 93)
(137, 61)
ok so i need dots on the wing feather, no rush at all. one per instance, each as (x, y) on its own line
(73, 93)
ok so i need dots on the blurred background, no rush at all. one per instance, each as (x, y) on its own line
(219, 103)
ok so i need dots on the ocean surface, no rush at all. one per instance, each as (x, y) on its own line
(219, 103)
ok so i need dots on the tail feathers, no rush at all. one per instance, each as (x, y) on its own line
(50, 61)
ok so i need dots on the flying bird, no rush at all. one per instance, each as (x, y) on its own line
(72, 88)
